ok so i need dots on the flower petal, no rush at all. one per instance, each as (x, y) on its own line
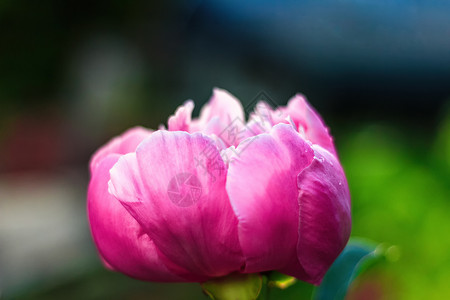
(261, 184)
(125, 143)
(222, 105)
(309, 121)
(181, 121)
(325, 218)
(122, 243)
(177, 193)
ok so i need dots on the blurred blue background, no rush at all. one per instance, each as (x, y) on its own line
(75, 73)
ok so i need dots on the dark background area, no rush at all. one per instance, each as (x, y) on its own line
(75, 73)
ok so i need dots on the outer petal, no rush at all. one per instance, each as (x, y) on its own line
(309, 121)
(325, 219)
(262, 186)
(125, 143)
(176, 191)
(122, 243)
(222, 105)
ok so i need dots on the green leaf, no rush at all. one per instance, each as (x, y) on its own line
(357, 256)
(279, 280)
(234, 286)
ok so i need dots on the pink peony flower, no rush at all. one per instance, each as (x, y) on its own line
(216, 195)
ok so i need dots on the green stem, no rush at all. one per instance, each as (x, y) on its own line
(234, 286)
(265, 290)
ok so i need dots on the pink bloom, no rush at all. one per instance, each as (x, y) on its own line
(216, 195)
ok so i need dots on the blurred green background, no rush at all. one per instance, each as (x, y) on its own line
(75, 73)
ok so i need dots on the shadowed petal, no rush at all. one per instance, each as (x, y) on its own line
(262, 186)
(325, 220)
(121, 242)
(176, 191)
